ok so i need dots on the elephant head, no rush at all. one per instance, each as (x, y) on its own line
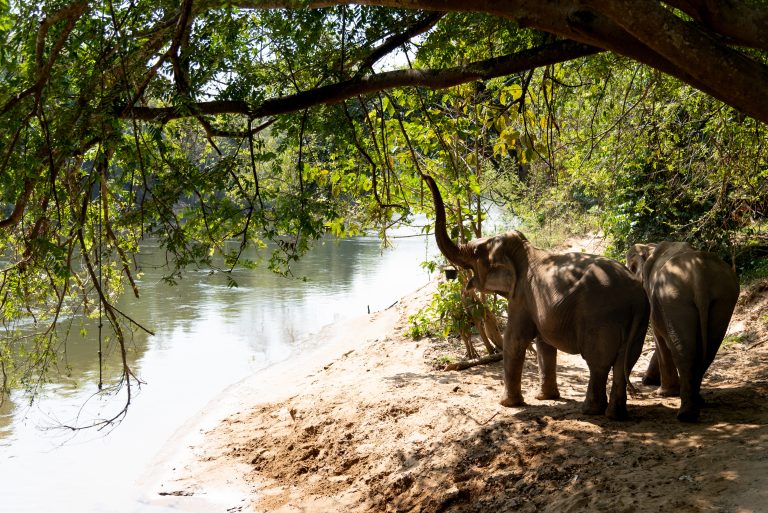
(641, 258)
(489, 258)
(636, 257)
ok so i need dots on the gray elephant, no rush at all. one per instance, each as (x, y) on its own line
(573, 302)
(692, 295)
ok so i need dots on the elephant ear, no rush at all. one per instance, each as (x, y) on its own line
(637, 256)
(502, 275)
(649, 263)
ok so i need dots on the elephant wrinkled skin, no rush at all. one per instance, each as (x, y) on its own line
(574, 302)
(692, 294)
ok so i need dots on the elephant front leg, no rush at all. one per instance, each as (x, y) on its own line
(514, 358)
(547, 358)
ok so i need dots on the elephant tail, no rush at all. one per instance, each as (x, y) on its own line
(635, 341)
(703, 302)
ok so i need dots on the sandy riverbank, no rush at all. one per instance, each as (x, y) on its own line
(369, 425)
(185, 477)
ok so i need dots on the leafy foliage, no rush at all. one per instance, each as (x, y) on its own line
(452, 312)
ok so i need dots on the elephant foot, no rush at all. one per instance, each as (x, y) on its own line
(551, 395)
(615, 412)
(512, 401)
(593, 408)
(689, 415)
(667, 391)
(651, 380)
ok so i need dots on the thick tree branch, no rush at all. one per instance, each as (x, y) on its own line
(741, 23)
(732, 76)
(435, 79)
(744, 23)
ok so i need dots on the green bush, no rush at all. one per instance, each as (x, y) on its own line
(451, 312)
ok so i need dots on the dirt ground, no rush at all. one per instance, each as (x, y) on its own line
(379, 428)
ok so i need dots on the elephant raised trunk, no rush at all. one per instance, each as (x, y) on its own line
(458, 254)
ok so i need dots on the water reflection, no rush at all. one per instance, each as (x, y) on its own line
(208, 336)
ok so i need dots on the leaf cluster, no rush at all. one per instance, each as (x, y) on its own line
(452, 312)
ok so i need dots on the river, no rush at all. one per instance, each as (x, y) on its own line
(208, 336)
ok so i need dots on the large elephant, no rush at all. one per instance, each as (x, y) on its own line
(692, 295)
(574, 302)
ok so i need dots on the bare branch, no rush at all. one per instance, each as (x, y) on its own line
(21, 204)
(180, 39)
(71, 13)
(398, 40)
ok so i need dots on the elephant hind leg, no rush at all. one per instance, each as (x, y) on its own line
(652, 375)
(617, 405)
(595, 403)
(691, 400)
(690, 390)
(689, 410)
(670, 381)
(719, 316)
(692, 371)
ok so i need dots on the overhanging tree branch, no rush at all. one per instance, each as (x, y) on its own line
(740, 23)
(435, 79)
(693, 51)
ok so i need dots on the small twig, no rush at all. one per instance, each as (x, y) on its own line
(478, 422)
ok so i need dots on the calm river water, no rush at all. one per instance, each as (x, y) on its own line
(208, 336)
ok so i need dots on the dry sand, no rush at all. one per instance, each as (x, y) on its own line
(368, 424)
